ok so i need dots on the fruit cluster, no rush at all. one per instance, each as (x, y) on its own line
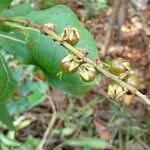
(72, 63)
(88, 72)
(122, 69)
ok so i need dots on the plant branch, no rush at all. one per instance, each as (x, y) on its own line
(54, 36)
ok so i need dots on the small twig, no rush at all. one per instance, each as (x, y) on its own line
(52, 121)
(32, 26)
(142, 31)
(144, 144)
(112, 21)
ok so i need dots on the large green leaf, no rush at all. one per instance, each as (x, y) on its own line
(9, 141)
(14, 43)
(7, 83)
(4, 4)
(48, 54)
(5, 117)
(62, 16)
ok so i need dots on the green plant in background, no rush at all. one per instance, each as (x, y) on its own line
(93, 7)
(7, 143)
(48, 3)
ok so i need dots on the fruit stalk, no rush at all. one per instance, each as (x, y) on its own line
(28, 24)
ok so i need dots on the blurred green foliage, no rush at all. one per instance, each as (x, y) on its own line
(30, 92)
(4, 4)
(44, 4)
(8, 143)
(94, 7)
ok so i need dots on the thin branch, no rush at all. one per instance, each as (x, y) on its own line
(123, 84)
(52, 121)
(142, 30)
(112, 22)
(54, 36)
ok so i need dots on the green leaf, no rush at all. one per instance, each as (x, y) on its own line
(14, 43)
(5, 117)
(30, 144)
(19, 10)
(93, 143)
(24, 104)
(36, 98)
(62, 16)
(48, 54)
(7, 84)
(4, 4)
(8, 141)
(17, 107)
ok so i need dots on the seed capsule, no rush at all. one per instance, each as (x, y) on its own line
(69, 64)
(128, 99)
(71, 35)
(87, 72)
(133, 80)
(119, 66)
(115, 91)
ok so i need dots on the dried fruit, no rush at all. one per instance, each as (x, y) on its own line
(87, 72)
(133, 80)
(69, 64)
(115, 91)
(128, 99)
(71, 35)
(119, 66)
